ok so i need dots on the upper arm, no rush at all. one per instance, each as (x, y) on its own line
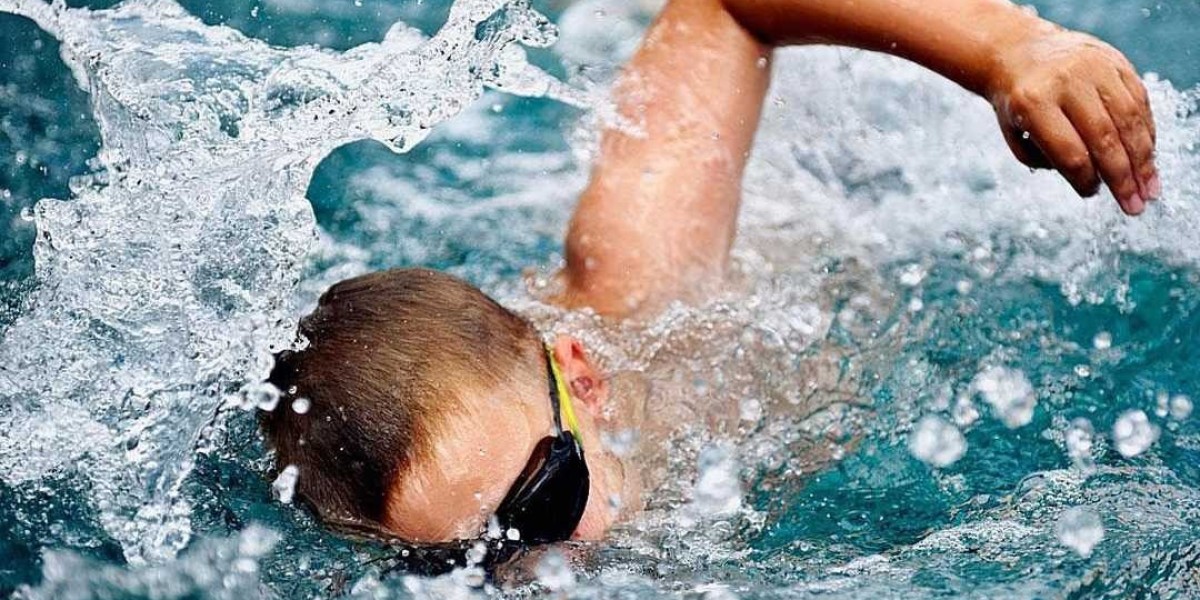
(658, 216)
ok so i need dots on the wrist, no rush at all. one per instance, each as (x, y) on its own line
(1010, 48)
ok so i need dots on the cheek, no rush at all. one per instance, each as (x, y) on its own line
(600, 513)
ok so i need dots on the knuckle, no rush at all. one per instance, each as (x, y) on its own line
(1108, 142)
(1129, 118)
(1076, 162)
(1025, 97)
(1140, 94)
(1143, 153)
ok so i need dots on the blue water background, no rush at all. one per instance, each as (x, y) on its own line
(879, 498)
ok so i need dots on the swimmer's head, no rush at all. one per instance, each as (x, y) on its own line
(426, 400)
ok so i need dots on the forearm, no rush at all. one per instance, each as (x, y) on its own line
(659, 214)
(956, 38)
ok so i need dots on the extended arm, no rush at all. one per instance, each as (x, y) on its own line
(659, 214)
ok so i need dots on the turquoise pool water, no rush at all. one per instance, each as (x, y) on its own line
(885, 225)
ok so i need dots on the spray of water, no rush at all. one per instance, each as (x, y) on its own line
(163, 285)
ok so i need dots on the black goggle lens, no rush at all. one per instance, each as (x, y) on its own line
(547, 501)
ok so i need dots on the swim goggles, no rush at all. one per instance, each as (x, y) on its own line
(548, 498)
(544, 504)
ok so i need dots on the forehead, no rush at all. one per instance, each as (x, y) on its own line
(476, 455)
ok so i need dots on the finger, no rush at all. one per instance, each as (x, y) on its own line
(1138, 91)
(1090, 118)
(1057, 139)
(1024, 149)
(1127, 115)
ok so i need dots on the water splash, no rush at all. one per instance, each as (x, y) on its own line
(866, 157)
(165, 283)
(220, 569)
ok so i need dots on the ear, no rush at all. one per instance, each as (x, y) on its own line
(587, 387)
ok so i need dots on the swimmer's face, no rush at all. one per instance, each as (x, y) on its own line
(479, 452)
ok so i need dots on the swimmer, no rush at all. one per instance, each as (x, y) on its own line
(436, 415)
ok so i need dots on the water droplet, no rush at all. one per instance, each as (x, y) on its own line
(936, 442)
(1083, 370)
(912, 275)
(1079, 529)
(1133, 433)
(718, 488)
(1102, 341)
(1079, 436)
(965, 412)
(1181, 407)
(513, 534)
(493, 528)
(1009, 393)
(1162, 403)
(621, 443)
(262, 396)
(284, 486)
(750, 409)
(301, 405)
(476, 553)
(553, 571)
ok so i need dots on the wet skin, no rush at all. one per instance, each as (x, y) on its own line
(658, 217)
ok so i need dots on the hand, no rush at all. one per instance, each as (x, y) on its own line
(1069, 101)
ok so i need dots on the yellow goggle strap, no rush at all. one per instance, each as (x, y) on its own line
(564, 395)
